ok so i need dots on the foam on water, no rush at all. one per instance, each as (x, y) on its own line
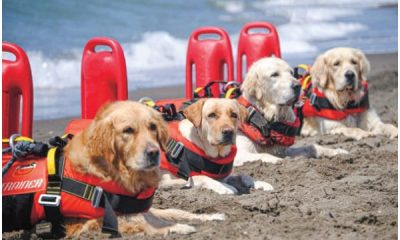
(155, 53)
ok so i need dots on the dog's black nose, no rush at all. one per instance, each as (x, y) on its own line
(350, 77)
(152, 154)
(227, 134)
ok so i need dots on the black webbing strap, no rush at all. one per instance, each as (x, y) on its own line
(54, 224)
(188, 161)
(321, 102)
(98, 199)
(110, 202)
(256, 119)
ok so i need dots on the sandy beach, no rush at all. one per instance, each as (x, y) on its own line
(346, 197)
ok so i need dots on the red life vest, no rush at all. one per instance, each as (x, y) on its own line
(265, 133)
(78, 192)
(73, 206)
(317, 105)
(184, 159)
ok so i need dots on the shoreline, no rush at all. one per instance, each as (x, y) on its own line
(44, 129)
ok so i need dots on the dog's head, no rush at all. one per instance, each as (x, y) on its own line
(270, 80)
(216, 120)
(340, 71)
(128, 133)
(270, 84)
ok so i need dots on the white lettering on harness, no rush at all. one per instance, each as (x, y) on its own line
(11, 186)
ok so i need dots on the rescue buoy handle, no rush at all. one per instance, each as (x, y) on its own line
(7, 47)
(209, 30)
(93, 43)
(263, 25)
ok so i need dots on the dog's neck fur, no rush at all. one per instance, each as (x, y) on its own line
(339, 100)
(194, 135)
(271, 112)
(133, 181)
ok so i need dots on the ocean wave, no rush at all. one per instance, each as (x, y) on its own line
(155, 50)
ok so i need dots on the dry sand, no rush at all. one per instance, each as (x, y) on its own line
(346, 197)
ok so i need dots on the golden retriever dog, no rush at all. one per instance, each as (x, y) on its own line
(339, 73)
(270, 87)
(212, 124)
(123, 144)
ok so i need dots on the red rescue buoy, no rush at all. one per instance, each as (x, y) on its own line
(256, 45)
(17, 83)
(208, 55)
(103, 76)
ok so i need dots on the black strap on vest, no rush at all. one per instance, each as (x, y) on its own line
(187, 161)
(54, 224)
(109, 201)
(321, 102)
(257, 120)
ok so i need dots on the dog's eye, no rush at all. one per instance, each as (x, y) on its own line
(275, 74)
(337, 63)
(354, 62)
(128, 130)
(212, 115)
(234, 115)
(153, 126)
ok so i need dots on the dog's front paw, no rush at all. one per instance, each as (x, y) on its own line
(263, 186)
(215, 217)
(328, 152)
(338, 151)
(387, 130)
(220, 188)
(271, 159)
(182, 229)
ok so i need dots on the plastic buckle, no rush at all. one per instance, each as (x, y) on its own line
(176, 150)
(44, 228)
(313, 98)
(50, 200)
(96, 199)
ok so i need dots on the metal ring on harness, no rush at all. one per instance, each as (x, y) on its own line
(231, 84)
(12, 141)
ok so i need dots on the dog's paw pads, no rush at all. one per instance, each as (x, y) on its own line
(182, 229)
(263, 186)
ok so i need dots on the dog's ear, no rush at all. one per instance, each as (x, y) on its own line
(320, 72)
(364, 65)
(251, 83)
(194, 112)
(101, 140)
(162, 131)
(242, 113)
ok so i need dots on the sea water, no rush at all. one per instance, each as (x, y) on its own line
(154, 34)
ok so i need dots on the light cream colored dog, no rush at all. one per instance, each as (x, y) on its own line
(338, 73)
(270, 87)
(211, 124)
